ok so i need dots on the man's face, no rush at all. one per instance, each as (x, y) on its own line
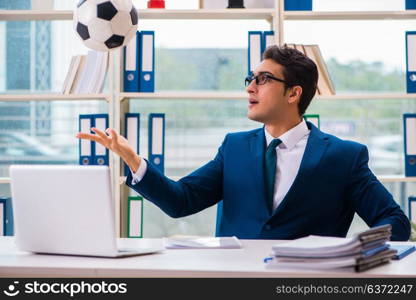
(267, 101)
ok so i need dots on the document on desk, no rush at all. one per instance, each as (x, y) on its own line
(365, 250)
(202, 242)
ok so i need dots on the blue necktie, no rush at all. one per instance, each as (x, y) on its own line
(270, 170)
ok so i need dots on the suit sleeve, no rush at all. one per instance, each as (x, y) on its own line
(371, 200)
(191, 194)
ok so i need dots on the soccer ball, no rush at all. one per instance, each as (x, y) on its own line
(105, 25)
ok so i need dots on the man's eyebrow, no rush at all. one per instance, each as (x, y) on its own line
(264, 72)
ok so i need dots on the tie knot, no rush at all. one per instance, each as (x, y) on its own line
(274, 143)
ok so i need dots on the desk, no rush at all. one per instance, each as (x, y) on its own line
(246, 262)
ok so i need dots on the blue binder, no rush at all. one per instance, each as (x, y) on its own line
(131, 65)
(219, 217)
(147, 62)
(255, 48)
(412, 209)
(132, 134)
(410, 4)
(409, 130)
(6, 214)
(411, 61)
(157, 140)
(298, 4)
(86, 148)
(268, 40)
(100, 153)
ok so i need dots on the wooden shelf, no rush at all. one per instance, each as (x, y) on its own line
(212, 95)
(4, 180)
(51, 97)
(144, 14)
(34, 15)
(200, 14)
(381, 178)
(350, 15)
(367, 96)
(187, 95)
(395, 178)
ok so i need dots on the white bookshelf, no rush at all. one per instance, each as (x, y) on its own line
(51, 97)
(395, 178)
(350, 15)
(116, 97)
(153, 14)
(4, 180)
(205, 95)
(228, 14)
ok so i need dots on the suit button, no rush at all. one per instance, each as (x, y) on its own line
(268, 227)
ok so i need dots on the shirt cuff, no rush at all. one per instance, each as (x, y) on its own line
(138, 176)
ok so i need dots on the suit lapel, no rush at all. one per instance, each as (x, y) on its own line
(315, 148)
(257, 148)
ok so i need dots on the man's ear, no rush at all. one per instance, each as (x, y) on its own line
(294, 94)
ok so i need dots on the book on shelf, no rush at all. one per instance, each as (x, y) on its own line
(86, 73)
(325, 84)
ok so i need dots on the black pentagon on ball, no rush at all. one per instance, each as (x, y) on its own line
(114, 41)
(81, 2)
(106, 11)
(133, 15)
(83, 31)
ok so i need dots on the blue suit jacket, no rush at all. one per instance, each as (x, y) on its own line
(333, 183)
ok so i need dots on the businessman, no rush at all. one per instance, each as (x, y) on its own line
(285, 180)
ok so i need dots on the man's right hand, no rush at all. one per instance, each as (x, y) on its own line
(116, 143)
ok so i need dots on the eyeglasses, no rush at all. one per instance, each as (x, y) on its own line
(262, 78)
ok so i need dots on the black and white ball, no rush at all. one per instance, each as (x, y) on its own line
(105, 25)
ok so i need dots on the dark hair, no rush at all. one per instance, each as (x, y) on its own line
(298, 69)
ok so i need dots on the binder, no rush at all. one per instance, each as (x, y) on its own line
(6, 217)
(314, 119)
(132, 129)
(402, 250)
(157, 140)
(409, 128)
(100, 153)
(268, 40)
(255, 41)
(219, 217)
(2, 218)
(135, 217)
(411, 61)
(410, 4)
(85, 146)
(298, 4)
(412, 209)
(147, 61)
(131, 65)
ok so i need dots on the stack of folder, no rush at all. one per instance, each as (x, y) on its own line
(366, 250)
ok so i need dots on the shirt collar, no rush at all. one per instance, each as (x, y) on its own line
(291, 137)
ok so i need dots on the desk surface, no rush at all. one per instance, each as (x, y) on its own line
(246, 262)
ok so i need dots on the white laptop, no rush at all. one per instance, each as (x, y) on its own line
(66, 209)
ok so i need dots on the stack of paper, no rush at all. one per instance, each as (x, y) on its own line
(365, 250)
(196, 242)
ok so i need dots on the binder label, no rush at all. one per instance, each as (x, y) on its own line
(410, 136)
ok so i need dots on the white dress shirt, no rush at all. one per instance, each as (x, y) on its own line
(289, 156)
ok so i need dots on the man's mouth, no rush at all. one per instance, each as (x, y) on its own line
(252, 102)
